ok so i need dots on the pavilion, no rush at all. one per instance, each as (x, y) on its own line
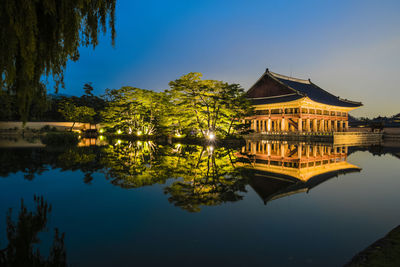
(287, 104)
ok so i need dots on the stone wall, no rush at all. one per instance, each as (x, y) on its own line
(353, 138)
(60, 126)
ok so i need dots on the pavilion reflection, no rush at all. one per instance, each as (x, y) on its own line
(282, 168)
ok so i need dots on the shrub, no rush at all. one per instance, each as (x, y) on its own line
(45, 128)
(61, 139)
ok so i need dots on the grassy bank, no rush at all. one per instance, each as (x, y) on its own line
(384, 252)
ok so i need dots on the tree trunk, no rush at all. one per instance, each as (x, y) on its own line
(72, 127)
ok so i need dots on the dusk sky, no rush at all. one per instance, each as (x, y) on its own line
(350, 48)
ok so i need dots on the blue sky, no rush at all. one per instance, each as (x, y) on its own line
(350, 48)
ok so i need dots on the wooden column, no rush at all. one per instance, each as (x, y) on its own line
(299, 151)
(300, 125)
(315, 125)
(269, 125)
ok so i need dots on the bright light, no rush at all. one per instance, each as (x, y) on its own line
(118, 142)
(211, 136)
(178, 135)
(138, 133)
(119, 132)
(101, 130)
(101, 137)
(210, 149)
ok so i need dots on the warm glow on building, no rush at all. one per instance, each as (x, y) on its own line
(286, 104)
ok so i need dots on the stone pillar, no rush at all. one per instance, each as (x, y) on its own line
(329, 126)
(282, 150)
(335, 125)
(269, 125)
(346, 126)
(340, 126)
(322, 125)
(268, 149)
(283, 125)
(300, 125)
(308, 151)
(308, 126)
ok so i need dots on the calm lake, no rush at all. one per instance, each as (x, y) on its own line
(263, 203)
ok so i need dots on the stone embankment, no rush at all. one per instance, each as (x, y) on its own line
(17, 126)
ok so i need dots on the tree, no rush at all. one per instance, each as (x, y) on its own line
(89, 100)
(208, 106)
(37, 38)
(88, 88)
(76, 114)
(133, 110)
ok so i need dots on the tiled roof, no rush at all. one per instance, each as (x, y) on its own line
(302, 88)
(271, 100)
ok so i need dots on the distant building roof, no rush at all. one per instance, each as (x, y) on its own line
(274, 88)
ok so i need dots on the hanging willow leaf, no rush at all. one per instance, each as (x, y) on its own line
(38, 37)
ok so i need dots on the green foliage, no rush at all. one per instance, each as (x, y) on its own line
(206, 105)
(37, 39)
(76, 114)
(134, 111)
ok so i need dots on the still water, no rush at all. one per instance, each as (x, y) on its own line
(136, 203)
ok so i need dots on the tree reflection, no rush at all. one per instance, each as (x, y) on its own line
(23, 234)
(133, 164)
(204, 175)
(208, 177)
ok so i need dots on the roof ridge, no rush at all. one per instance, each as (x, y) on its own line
(349, 101)
(281, 76)
(270, 74)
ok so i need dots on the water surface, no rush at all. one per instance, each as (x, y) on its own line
(266, 203)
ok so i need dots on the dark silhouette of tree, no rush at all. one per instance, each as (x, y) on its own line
(22, 235)
(37, 38)
(88, 88)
